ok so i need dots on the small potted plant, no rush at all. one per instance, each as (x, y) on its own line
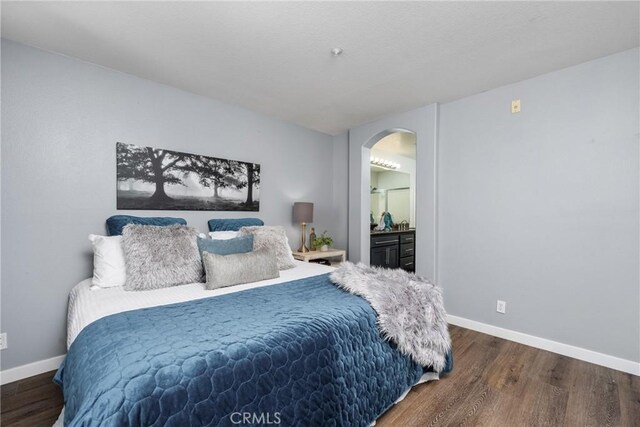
(323, 242)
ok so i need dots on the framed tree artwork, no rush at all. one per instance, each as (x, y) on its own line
(158, 179)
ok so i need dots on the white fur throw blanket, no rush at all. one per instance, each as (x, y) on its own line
(410, 309)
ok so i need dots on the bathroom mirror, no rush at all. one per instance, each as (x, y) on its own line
(391, 192)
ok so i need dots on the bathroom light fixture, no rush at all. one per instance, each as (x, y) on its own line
(336, 51)
(386, 164)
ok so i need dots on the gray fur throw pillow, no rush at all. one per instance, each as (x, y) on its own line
(236, 269)
(159, 257)
(273, 239)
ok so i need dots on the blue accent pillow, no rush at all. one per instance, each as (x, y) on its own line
(237, 245)
(116, 223)
(232, 224)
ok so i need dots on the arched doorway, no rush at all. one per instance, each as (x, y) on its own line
(393, 179)
(423, 123)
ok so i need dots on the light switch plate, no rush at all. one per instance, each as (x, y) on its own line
(515, 106)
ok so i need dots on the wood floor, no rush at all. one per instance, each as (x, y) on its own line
(32, 402)
(494, 383)
(501, 383)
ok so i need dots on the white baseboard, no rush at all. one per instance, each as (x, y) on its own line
(579, 353)
(30, 369)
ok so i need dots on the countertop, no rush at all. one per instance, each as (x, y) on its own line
(378, 233)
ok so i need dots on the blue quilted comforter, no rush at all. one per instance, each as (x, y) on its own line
(300, 353)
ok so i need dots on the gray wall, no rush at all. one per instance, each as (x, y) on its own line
(540, 208)
(340, 184)
(61, 119)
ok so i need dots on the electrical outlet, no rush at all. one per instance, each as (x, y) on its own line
(3, 341)
(501, 307)
(515, 106)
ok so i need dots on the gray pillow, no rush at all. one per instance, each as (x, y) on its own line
(236, 269)
(274, 239)
(159, 257)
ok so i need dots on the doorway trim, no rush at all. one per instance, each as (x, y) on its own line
(423, 123)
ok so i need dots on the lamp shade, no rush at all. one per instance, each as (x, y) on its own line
(302, 212)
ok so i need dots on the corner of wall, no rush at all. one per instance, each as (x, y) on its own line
(340, 183)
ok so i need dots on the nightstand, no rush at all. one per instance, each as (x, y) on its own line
(331, 253)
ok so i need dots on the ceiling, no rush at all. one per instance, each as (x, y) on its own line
(400, 143)
(274, 57)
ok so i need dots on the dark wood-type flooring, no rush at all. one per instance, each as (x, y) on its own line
(501, 383)
(31, 402)
(494, 383)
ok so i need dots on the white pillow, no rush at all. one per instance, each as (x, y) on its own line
(109, 269)
(224, 235)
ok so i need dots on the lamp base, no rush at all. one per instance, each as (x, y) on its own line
(303, 248)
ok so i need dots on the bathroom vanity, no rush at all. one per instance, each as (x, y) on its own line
(394, 249)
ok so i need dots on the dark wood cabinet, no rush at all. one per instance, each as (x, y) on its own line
(393, 249)
(386, 256)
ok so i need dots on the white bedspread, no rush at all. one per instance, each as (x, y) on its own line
(87, 305)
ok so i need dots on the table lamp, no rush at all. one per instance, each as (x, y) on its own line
(303, 214)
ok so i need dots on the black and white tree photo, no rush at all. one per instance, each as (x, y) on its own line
(157, 179)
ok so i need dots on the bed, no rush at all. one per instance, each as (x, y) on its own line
(291, 351)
